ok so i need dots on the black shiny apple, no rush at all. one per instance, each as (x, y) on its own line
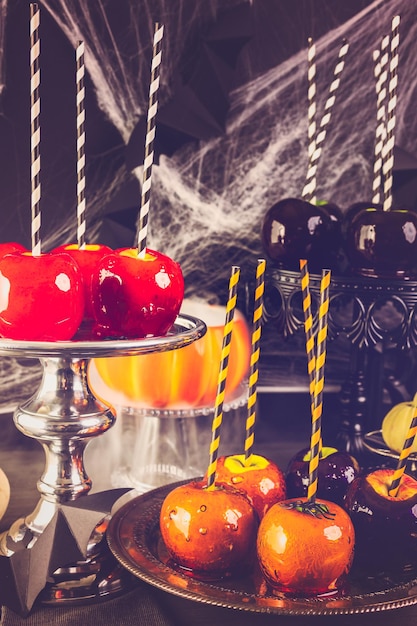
(336, 471)
(385, 526)
(294, 229)
(382, 243)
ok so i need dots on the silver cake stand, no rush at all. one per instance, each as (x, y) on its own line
(64, 415)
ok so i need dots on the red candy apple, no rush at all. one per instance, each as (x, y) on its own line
(336, 471)
(210, 531)
(41, 297)
(135, 296)
(11, 246)
(259, 478)
(305, 548)
(386, 526)
(87, 259)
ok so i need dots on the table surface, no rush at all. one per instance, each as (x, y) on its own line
(280, 433)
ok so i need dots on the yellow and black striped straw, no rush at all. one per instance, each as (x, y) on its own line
(221, 381)
(315, 444)
(405, 453)
(255, 354)
(308, 327)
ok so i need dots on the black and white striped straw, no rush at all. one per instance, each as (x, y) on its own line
(381, 78)
(315, 147)
(150, 138)
(388, 149)
(80, 100)
(35, 129)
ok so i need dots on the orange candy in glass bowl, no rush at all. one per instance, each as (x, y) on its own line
(182, 378)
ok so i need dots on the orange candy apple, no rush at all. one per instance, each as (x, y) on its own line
(209, 531)
(305, 548)
(386, 526)
(86, 258)
(136, 296)
(41, 297)
(259, 478)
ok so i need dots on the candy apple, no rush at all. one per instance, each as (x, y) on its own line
(136, 296)
(396, 424)
(383, 243)
(336, 470)
(305, 548)
(385, 526)
(210, 531)
(11, 246)
(294, 229)
(41, 297)
(87, 258)
(259, 478)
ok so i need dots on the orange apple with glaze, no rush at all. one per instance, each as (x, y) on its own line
(260, 479)
(209, 531)
(305, 547)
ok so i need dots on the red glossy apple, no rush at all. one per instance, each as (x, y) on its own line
(11, 246)
(386, 526)
(135, 296)
(259, 478)
(305, 548)
(209, 531)
(41, 297)
(87, 259)
(336, 471)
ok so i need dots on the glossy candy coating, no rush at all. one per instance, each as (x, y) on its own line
(386, 526)
(304, 554)
(260, 479)
(136, 297)
(87, 259)
(41, 297)
(336, 471)
(210, 531)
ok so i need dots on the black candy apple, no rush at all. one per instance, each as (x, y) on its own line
(294, 229)
(382, 243)
(336, 470)
(385, 526)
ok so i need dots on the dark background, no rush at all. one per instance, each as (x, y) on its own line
(280, 28)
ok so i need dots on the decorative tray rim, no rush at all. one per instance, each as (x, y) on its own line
(129, 538)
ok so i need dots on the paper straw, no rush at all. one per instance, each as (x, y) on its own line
(150, 138)
(309, 190)
(221, 381)
(388, 150)
(381, 78)
(319, 385)
(312, 94)
(405, 453)
(255, 354)
(308, 327)
(35, 129)
(80, 89)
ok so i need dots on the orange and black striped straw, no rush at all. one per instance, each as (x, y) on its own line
(315, 444)
(221, 381)
(405, 453)
(255, 354)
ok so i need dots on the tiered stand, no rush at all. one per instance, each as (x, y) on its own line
(378, 316)
(63, 415)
